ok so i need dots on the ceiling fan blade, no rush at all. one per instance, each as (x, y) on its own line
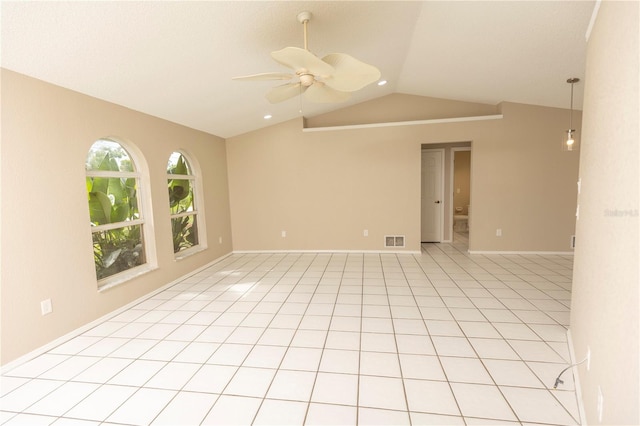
(297, 59)
(284, 92)
(319, 92)
(350, 74)
(266, 76)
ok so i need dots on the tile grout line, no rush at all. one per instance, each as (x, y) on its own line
(293, 266)
(528, 366)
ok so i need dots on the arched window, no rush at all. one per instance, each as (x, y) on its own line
(182, 203)
(114, 208)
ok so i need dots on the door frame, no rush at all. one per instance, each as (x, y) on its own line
(451, 170)
(442, 188)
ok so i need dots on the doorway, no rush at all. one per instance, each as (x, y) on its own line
(445, 209)
(461, 194)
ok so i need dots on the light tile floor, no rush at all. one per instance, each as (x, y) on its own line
(273, 339)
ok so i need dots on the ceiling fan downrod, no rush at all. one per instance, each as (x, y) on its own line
(304, 18)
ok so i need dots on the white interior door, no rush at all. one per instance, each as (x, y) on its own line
(432, 205)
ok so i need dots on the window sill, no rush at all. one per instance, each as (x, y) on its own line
(188, 252)
(125, 276)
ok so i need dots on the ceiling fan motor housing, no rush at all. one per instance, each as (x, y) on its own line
(306, 78)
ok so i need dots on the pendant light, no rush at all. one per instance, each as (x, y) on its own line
(569, 142)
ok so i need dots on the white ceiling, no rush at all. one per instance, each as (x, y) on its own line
(175, 60)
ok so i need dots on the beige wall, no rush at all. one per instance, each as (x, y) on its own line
(462, 180)
(401, 107)
(325, 187)
(46, 239)
(322, 191)
(605, 300)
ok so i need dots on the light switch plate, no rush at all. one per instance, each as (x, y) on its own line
(46, 307)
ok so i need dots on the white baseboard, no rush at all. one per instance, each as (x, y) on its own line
(489, 252)
(327, 251)
(75, 333)
(576, 381)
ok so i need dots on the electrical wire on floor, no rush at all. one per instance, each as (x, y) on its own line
(559, 380)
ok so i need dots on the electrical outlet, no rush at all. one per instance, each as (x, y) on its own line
(219, 240)
(365, 233)
(284, 234)
(46, 307)
(498, 232)
(600, 407)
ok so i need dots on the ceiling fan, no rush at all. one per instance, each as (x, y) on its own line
(330, 79)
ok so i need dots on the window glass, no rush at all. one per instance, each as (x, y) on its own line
(178, 165)
(181, 195)
(185, 232)
(184, 214)
(107, 155)
(116, 221)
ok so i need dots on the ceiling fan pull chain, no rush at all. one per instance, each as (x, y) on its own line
(300, 97)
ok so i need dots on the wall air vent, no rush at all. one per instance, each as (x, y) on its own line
(394, 240)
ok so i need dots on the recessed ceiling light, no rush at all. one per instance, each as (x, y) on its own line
(382, 82)
(268, 117)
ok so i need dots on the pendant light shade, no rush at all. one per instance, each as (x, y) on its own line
(569, 141)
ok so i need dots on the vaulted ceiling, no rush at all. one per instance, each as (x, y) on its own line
(175, 60)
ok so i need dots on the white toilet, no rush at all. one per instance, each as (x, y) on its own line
(461, 221)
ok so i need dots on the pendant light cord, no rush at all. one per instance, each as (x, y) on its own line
(573, 81)
(571, 110)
